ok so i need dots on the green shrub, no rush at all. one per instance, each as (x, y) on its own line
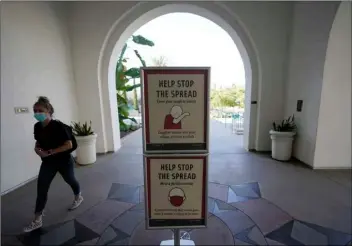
(287, 125)
(84, 129)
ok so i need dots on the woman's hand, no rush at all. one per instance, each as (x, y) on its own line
(42, 153)
(37, 150)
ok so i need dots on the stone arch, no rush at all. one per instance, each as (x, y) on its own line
(143, 12)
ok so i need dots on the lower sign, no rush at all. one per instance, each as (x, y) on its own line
(176, 191)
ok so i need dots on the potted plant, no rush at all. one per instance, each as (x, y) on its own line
(86, 143)
(282, 136)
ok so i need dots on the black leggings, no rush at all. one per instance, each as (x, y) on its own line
(47, 173)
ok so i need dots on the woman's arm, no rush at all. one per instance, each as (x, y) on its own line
(37, 149)
(64, 137)
(66, 146)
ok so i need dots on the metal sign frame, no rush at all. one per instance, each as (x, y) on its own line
(198, 223)
(154, 148)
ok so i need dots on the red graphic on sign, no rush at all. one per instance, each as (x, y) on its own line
(177, 197)
(173, 120)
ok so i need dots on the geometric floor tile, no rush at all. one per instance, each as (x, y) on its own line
(128, 221)
(220, 207)
(83, 233)
(139, 206)
(237, 215)
(90, 242)
(107, 237)
(100, 216)
(218, 191)
(302, 233)
(54, 235)
(266, 215)
(272, 242)
(256, 235)
(232, 197)
(334, 237)
(141, 236)
(32, 238)
(123, 242)
(251, 236)
(243, 236)
(10, 240)
(129, 227)
(235, 220)
(243, 192)
(68, 233)
(211, 205)
(283, 235)
(124, 193)
(111, 236)
(307, 235)
(120, 235)
(241, 243)
(216, 233)
(141, 193)
(251, 190)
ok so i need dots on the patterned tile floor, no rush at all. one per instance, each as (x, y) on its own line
(253, 200)
(238, 215)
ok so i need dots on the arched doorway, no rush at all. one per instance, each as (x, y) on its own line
(334, 122)
(145, 12)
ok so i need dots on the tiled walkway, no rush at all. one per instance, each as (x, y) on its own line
(253, 200)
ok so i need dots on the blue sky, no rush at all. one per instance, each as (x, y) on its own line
(190, 40)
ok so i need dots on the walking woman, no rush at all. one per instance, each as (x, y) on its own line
(54, 146)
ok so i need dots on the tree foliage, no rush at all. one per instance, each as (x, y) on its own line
(227, 97)
(123, 76)
(160, 61)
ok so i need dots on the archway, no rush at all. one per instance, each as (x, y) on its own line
(145, 12)
(334, 122)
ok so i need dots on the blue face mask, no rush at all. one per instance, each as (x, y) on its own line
(40, 117)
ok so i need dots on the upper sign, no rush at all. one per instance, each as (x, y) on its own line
(175, 191)
(176, 102)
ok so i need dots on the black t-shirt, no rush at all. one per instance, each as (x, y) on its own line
(52, 136)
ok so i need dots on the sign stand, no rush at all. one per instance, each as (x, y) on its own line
(177, 237)
(178, 240)
(175, 115)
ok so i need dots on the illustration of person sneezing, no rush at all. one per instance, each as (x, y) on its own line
(173, 120)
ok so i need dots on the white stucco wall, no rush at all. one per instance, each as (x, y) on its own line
(265, 23)
(269, 24)
(333, 146)
(35, 60)
(308, 42)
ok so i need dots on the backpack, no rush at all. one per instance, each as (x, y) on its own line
(71, 136)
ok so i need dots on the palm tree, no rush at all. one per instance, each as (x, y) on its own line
(135, 99)
(123, 75)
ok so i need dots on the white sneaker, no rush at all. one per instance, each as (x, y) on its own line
(76, 203)
(34, 225)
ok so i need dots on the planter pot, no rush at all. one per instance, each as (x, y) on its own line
(86, 149)
(281, 145)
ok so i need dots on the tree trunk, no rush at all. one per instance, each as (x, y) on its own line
(135, 99)
(125, 95)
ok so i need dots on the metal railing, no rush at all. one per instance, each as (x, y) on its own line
(237, 124)
(230, 119)
(234, 119)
